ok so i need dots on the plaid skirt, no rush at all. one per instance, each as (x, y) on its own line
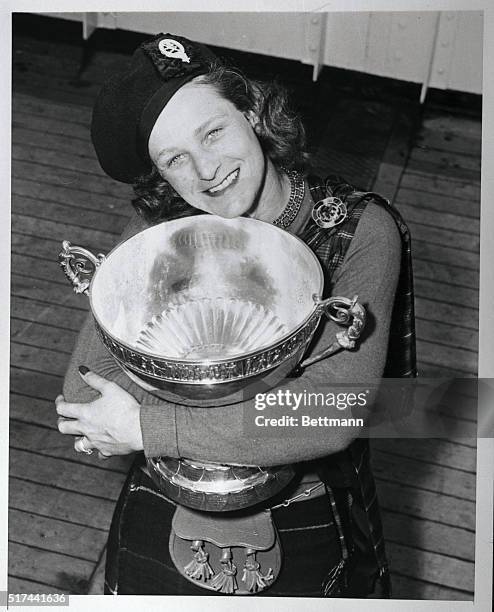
(139, 562)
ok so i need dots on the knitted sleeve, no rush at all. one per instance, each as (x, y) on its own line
(216, 433)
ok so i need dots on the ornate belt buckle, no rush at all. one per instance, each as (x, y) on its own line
(329, 212)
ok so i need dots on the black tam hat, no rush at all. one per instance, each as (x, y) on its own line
(129, 104)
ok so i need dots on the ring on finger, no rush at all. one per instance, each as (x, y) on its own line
(80, 446)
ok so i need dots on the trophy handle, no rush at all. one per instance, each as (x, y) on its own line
(74, 261)
(344, 312)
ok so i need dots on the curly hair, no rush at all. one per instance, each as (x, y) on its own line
(280, 132)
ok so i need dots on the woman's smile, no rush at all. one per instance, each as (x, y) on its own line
(224, 184)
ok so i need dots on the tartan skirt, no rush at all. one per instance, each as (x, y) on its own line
(139, 563)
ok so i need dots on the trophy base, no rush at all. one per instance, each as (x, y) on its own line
(213, 487)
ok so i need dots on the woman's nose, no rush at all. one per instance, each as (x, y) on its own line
(207, 164)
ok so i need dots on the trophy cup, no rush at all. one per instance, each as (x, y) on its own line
(202, 308)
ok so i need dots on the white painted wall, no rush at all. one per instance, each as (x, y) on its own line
(440, 49)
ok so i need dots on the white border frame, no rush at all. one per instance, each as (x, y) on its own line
(485, 448)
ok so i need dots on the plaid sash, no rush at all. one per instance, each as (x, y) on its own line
(351, 468)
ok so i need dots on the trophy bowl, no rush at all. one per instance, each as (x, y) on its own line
(201, 308)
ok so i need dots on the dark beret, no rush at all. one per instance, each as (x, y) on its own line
(128, 104)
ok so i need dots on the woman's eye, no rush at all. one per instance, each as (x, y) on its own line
(212, 134)
(175, 160)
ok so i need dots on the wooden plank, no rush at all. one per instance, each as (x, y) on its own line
(22, 585)
(447, 334)
(393, 161)
(426, 505)
(435, 451)
(30, 310)
(62, 112)
(445, 255)
(424, 185)
(405, 587)
(444, 237)
(43, 59)
(66, 573)
(44, 248)
(35, 384)
(432, 370)
(46, 157)
(448, 356)
(62, 177)
(446, 293)
(75, 198)
(27, 412)
(41, 56)
(439, 121)
(65, 505)
(34, 410)
(38, 359)
(432, 537)
(56, 536)
(43, 209)
(66, 475)
(38, 131)
(56, 88)
(447, 141)
(432, 567)
(435, 219)
(55, 230)
(444, 170)
(36, 266)
(49, 442)
(440, 202)
(446, 313)
(455, 275)
(448, 161)
(46, 336)
(426, 476)
(47, 292)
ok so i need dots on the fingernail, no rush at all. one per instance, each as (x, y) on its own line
(83, 369)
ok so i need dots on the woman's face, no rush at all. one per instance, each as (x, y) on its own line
(208, 151)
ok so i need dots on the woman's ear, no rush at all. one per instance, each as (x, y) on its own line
(253, 119)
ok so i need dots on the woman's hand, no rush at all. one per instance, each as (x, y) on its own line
(109, 424)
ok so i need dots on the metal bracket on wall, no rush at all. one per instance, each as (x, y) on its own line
(92, 21)
(439, 65)
(315, 41)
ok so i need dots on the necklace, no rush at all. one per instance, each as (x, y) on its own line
(297, 192)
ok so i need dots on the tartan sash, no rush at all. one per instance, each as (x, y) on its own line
(351, 468)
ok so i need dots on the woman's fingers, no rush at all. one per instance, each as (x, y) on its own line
(94, 380)
(69, 426)
(66, 409)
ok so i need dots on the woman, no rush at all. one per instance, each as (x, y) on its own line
(194, 136)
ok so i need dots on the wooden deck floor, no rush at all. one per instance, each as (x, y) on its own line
(61, 502)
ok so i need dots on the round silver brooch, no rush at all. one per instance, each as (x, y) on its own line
(329, 212)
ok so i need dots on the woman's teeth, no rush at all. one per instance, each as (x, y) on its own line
(224, 184)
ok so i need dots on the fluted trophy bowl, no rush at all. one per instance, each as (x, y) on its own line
(202, 308)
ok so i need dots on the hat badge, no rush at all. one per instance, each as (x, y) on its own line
(173, 49)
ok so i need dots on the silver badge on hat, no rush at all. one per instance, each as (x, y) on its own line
(172, 48)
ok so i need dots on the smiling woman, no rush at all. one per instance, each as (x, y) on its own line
(194, 136)
(213, 157)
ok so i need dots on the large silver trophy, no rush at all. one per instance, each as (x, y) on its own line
(203, 308)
